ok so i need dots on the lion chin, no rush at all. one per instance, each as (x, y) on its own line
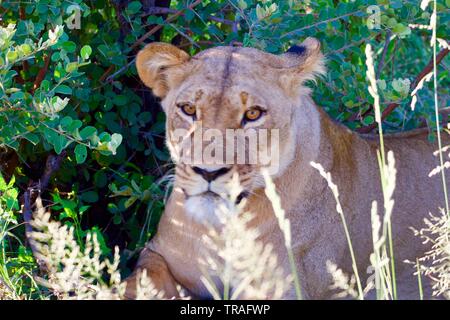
(207, 208)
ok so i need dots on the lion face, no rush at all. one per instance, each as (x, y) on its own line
(229, 114)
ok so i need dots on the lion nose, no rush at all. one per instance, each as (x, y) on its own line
(210, 175)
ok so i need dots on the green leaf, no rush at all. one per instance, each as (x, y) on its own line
(34, 139)
(134, 7)
(130, 202)
(2, 183)
(120, 100)
(85, 52)
(242, 4)
(72, 66)
(63, 89)
(12, 56)
(89, 196)
(117, 219)
(87, 132)
(45, 85)
(11, 198)
(391, 23)
(145, 117)
(368, 120)
(17, 96)
(60, 143)
(80, 153)
(100, 179)
(74, 126)
(50, 135)
(26, 49)
(69, 46)
(189, 15)
(66, 122)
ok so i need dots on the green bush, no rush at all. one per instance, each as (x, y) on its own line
(74, 92)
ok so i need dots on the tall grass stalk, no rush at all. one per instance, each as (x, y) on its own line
(377, 257)
(433, 24)
(335, 191)
(381, 160)
(285, 227)
(7, 286)
(419, 279)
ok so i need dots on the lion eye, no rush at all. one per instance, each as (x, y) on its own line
(188, 109)
(253, 114)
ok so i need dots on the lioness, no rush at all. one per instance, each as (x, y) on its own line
(235, 87)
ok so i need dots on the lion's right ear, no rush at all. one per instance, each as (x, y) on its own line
(160, 67)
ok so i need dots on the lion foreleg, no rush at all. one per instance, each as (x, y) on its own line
(157, 271)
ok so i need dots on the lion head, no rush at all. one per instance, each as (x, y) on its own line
(228, 89)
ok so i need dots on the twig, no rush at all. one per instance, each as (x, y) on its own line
(159, 26)
(200, 43)
(163, 10)
(383, 55)
(27, 217)
(124, 25)
(223, 21)
(23, 17)
(296, 31)
(235, 27)
(106, 73)
(41, 74)
(392, 61)
(429, 67)
(147, 35)
(359, 115)
(187, 37)
(392, 106)
(52, 164)
(158, 10)
(125, 67)
(353, 44)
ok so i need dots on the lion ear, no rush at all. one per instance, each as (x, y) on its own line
(302, 62)
(159, 66)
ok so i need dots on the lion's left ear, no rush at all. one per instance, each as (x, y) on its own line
(302, 62)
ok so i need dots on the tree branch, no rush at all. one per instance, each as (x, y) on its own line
(383, 55)
(125, 67)
(150, 33)
(163, 10)
(170, 19)
(29, 197)
(41, 74)
(392, 106)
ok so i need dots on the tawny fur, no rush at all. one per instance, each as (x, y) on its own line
(221, 82)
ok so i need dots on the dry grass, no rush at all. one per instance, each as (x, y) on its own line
(246, 267)
(75, 272)
(435, 264)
